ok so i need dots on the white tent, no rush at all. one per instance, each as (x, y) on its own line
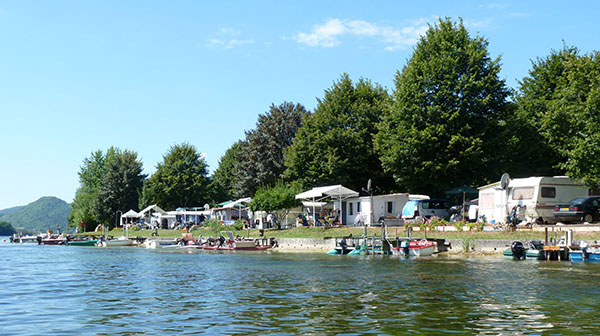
(130, 214)
(152, 207)
(336, 192)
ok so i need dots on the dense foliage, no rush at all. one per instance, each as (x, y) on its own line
(109, 183)
(180, 180)
(41, 215)
(90, 178)
(6, 229)
(276, 199)
(335, 144)
(121, 186)
(262, 157)
(224, 178)
(561, 99)
(445, 122)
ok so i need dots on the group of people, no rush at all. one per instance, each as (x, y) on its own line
(320, 219)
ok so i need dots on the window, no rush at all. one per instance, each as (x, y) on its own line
(351, 209)
(523, 193)
(390, 207)
(548, 192)
(358, 209)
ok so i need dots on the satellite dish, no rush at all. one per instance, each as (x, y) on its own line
(369, 185)
(206, 206)
(504, 181)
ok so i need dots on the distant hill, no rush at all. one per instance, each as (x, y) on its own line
(9, 210)
(45, 213)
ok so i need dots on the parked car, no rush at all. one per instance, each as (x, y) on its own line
(582, 209)
(426, 209)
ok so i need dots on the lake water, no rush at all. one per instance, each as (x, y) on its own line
(63, 290)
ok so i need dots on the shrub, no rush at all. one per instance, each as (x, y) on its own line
(458, 225)
(238, 225)
(214, 224)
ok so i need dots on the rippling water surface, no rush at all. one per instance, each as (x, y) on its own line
(85, 290)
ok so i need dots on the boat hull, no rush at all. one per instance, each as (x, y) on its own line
(90, 242)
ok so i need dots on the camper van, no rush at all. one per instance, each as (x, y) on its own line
(534, 197)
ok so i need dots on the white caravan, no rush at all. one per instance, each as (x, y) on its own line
(536, 197)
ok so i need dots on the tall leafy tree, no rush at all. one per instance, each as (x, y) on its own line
(121, 185)
(224, 178)
(263, 149)
(180, 180)
(561, 99)
(335, 144)
(91, 174)
(277, 199)
(445, 124)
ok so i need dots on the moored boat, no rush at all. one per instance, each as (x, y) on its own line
(231, 243)
(414, 248)
(120, 241)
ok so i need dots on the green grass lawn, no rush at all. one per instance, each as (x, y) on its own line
(303, 232)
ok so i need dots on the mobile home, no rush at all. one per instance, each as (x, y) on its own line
(536, 197)
(361, 212)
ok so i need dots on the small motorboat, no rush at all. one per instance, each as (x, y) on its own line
(414, 248)
(160, 243)
(82, 242)
(231, 243)
(120, 241)
(54, 240)
(593, 253)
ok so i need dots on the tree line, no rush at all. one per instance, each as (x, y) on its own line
(450, 120)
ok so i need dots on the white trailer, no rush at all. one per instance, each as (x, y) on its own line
(536, 197)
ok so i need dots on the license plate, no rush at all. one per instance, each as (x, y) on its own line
(564, 209)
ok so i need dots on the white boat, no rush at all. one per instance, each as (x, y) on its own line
(120, 241)
(414, 248)
(160, 243)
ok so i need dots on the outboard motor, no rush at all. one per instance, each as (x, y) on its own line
(518, 250)
(405, 246)
(537, 244)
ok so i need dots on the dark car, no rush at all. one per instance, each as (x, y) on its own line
(583, 209)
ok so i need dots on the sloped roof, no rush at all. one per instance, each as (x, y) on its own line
(332, 190)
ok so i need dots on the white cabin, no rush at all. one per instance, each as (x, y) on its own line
(538, 196)
(358, 209)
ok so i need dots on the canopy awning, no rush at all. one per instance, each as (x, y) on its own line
(313, 204)
(130, 214)
(149, 208)
(338, 191)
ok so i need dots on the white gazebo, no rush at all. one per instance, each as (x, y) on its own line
(335, 192)
(128, 216)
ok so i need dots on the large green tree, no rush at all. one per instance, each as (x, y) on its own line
(224, 179)
(262, 159)
(277, 199)
(335, 144)
(561, 99)
(91, 174)
(180, 180)
(121, 185)
(445, 125)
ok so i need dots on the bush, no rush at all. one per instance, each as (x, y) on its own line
(458, 225)
(238, 225)
(214, 224)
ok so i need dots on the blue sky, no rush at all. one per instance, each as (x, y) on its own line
(78, 76)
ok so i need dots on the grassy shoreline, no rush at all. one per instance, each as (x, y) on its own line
(320, 233)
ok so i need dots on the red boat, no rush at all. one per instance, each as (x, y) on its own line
(231, 243)
(415, 248)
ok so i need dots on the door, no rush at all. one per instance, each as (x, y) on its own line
(344, 222)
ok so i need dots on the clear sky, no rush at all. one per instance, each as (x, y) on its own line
(78, 76)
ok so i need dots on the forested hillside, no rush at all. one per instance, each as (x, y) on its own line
(45, 213)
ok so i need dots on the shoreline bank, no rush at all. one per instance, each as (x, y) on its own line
(457, 246)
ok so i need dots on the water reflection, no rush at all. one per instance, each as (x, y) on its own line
(76, 290)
